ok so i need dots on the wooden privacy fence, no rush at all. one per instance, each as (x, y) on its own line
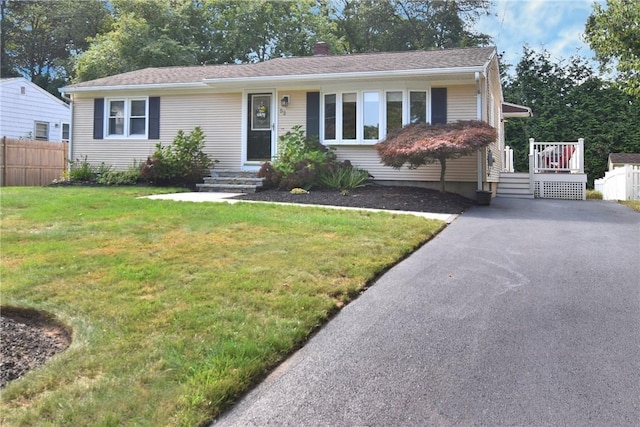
(31, 163)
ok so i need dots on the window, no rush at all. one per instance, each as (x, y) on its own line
(127, 118)
(371, 115)
(394, 111)
(41, 131)
(349, 114)
(65, 132)
(330, 117)
(418, 107)
(366, 116)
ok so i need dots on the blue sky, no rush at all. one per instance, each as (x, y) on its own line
(554, 25)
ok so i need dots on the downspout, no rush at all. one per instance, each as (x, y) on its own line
(480, 163)
(70, 151)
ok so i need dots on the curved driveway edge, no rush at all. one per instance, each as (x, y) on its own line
(523, 313)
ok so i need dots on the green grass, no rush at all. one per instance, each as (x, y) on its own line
(633, 204)
(176, 308)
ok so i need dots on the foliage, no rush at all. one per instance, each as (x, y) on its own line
(398, 25)
(131, 176)
(343, 177)
(633, 204)
(569, 102)
(189, 297)
(83, 171)
(594, 195)
(181, 163)
(40, 41)
(144, 34)
(422, 143)
(298, 162)
(612, 32)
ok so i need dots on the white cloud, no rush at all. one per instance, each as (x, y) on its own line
(554, 25)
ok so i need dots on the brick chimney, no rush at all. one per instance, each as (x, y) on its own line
(321, 49)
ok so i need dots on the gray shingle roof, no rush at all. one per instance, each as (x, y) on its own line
(625, 158)
(302, 66)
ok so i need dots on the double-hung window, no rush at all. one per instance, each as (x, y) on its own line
(366, 116)
(127, 118)
(41, 131)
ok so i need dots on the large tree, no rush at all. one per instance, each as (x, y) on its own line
(569, 101)
(194, 32)
(614, 34)
(40, 38)
(398, 25)
(419, 144)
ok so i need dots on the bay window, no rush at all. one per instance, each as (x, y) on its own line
(366, 116)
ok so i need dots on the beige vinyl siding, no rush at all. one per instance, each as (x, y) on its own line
(461, 103)
(495, 108)
(219, 116)
(295, 113)
(366, 157)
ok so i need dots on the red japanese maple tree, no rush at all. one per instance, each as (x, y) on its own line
(421, 143)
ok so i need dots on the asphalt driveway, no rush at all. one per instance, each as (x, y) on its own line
(524, 313)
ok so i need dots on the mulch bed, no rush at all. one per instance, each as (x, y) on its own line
(373, 197)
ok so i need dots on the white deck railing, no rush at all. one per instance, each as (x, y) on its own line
(507, 159)
(556, 157)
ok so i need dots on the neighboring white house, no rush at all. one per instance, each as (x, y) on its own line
(30, 112)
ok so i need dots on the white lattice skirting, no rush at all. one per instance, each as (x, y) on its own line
(557, 186)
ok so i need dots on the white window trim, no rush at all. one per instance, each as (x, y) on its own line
(35, 130)
(62, 131)
(127, 117)
(382, 110)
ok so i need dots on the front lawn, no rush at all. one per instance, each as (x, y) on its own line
(176, 308)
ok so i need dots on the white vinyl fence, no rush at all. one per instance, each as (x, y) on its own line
(620, 184)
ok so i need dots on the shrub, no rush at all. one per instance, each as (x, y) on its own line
(272, 177)
(343, 177)
(129, 177)
(594, 195)
(82, 170)
(298, 162)
(181, 163)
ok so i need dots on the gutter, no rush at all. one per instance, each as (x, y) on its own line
(479, 160)
(70, 152)
(151, 86)
(276, 79)
(343, 76)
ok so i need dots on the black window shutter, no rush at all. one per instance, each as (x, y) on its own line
(313, 114)
(98, 117)
(439, 105)
(154, 117)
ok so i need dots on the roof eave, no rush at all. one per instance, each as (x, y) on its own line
(525, 112)
(189, 85)
(345, 76)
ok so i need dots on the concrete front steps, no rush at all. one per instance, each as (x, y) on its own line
(514, 185)
(228, 181)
